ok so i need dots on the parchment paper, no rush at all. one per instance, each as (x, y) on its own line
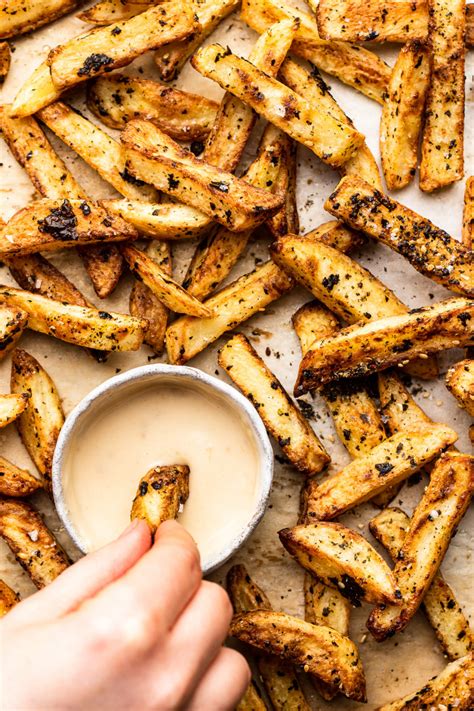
(405, 662)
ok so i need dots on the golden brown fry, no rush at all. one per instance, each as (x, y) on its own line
(286, 220)
(87, 327)
(37, 92)
(161, 493)
(105, 12)
(313, 321)
(460, 382)
(429, 249)
(144, 304)
(319, 650)
(15, 481)
(11, 407)
(337, 235)
(32, 543)
(354, 66)
(325, 606)
(399, 409)
(451, 689)
(8, 598)
(34, 273)
(166, 221)
(402, 115)
(470, 25)
(5, 59)
(252, 700)
(20, 16)
(13, 322)
(117, 99)
(468, 214)
(445, 615)
(342, 559)
(443, 504)
(390, 462)
(171, 58)
(280, 415)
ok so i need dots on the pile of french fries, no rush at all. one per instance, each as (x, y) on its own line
(174, 163)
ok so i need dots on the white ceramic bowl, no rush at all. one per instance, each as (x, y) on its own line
(153, 374)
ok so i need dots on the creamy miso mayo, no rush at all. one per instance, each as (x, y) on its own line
(157, 424)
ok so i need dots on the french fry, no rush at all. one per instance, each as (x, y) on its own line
(171, 58)
(18, 18)
(468, 214)
(31, 542)
(442, 144)
(5, 60)
(16, 482)
(460, 383)
(318, 649)
(331, 140)
(49, 225)
(117, 99)
(286, 220)
(105, 12)
(443, 504)
(40, 424)
(161, 493)
(90, 328)
(168, 291)
(162, 221)
(13, 322)
(402, 115)
(390, 462)
(336, 234)
(444, 613)
(8, 598)
(244, 592)
(37, 92)
(398, 407)
(325, 606)
(429, 249)
(470, 25)
(452, 688)
(232, 202)
(96, 148)
(144, 304)
(11, 407)
(233, 305)
(251, 700)
(354, 66)
(342, 559)
(280, 415)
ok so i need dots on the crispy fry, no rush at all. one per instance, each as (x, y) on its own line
(117, 99)
(13, 322)
(144, 304)
(8, 598)
(444, 613)
(470, 25)
(313, 321)
(230, 201)
(399, 409)
(336, 234)
(280, 415)
(168, 291)
(233, 305)
(37, 92)
(105, 12)
(167, 221)
(244, 593)
(171, 58)
(354, 66)
(402, 115)
(252, 700)
(331, 140)
(390, 462)
(342, 559)
(5, 59)
(11, 407)
(443, 504)
(468, 214)
(429, 249)
(32, 543)
(103, 330)
(325, 605)
(452, 688)
(16, 482)
(442, 144)
(460, 382)
(319, 650)
(286, 220)
(161, 493)
(20, 16)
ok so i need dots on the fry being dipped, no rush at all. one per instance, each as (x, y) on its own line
(161, 493)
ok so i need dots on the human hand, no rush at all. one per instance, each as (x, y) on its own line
(132, 626)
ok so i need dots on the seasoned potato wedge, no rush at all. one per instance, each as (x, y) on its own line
(468, 214)
(342, 559)
(470, 25)
(398, 407)
(117, 99)
(313, 321)
(460, 382)
(390, 462)
(443, 504)
(49, 225)
(144, 304)
(107, 11)
(166, 221)
(20, 16)
(451, 689)
(40, 424)
(286, 220)
(13, 322)
(8, 598)
(171, 58)
(103, 330)
(15, 481)
(37, 92)
(5, 60)
(34, 273)
(96, 148)
(444, 613)
(376, 345)
(244, 593)
(107, 48)
(337, 235)
(161, 493)
(325, 605)
(164, 287)
(32, 543)
(156, 158)
(402, 115)
(331, 140)
(442, 144)
(354, 66)
(318, 649)
(280, 415)
(251, 700)
(11, 407)
(233, 305)
(429, 249)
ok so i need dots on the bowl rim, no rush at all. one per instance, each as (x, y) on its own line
(157, 370)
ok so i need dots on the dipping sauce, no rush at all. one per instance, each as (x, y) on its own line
(149, 424)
